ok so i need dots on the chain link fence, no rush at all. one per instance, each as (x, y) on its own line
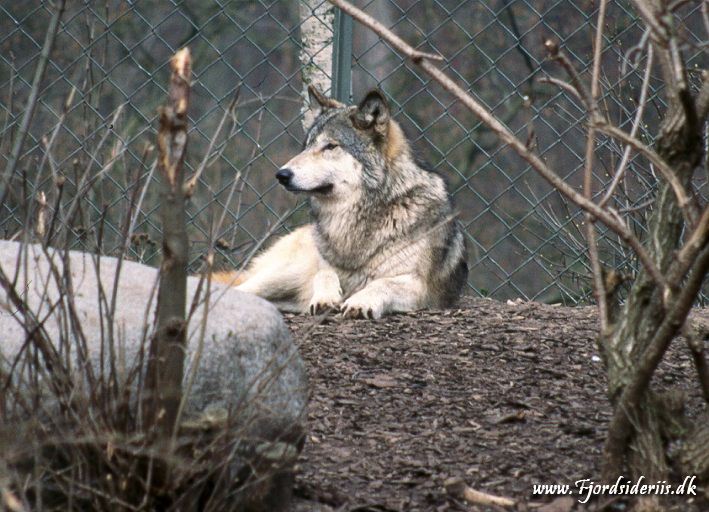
(107, 73)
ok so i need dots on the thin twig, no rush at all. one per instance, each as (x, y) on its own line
(144, 192)
(620, 171)
(598, 281)
(239, 180)
(257, 247)
(86, 181)
(49, 144)
(34, 329)
(705, 16)
(601, 123)
(669, 174)
(398, 43)
(191, 184)
(650, 19)
(587, 98)
(10, 102)
(33, 98)
(561, 85)
(630, 54)
(531, 135)
(199, 349)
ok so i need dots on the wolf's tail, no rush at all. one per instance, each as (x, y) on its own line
(231, 277)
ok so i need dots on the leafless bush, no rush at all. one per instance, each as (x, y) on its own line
(80, 432)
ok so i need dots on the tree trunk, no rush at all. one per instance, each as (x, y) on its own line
(316, 33)
(626, 342)
(167, 356)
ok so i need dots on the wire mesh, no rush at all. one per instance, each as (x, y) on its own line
(107, 74)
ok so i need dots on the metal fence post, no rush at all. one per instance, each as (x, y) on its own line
(342, 57)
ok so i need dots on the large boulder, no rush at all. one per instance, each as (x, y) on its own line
(244, 376)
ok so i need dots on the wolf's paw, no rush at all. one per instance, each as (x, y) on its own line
(362, 306)
(324, 303)
(318, 308)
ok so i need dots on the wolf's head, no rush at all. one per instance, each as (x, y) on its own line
(347, 148)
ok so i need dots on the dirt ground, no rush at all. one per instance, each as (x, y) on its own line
(502, 396)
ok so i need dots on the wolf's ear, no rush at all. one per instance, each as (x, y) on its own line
(318, 101)
(372, 113)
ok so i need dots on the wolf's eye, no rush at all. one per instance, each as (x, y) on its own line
(330, 145)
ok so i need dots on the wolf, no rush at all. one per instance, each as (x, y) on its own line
(383, 237)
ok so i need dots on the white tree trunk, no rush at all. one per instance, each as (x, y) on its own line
(316, 33)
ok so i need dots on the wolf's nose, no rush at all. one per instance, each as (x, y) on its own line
(284, 176)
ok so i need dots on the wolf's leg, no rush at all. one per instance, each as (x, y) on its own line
(327, 293)
(276, 281)
(284, 273)
(402, 293)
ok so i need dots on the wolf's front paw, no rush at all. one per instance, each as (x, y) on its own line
(327, 294)
(322, 303)
(362, 305)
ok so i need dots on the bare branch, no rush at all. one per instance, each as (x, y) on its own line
(398, 43)
(620, 171)
(658, 162)
(458, 489)
(191, 183)
(705, 15)
(546, 172)
(561, 85)
(33, 98)
(598, 281)
(598, 121)
(577, 85)
(649, 18)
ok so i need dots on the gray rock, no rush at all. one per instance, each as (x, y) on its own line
(243, 370)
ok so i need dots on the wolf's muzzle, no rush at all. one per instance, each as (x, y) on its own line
(284, 176)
